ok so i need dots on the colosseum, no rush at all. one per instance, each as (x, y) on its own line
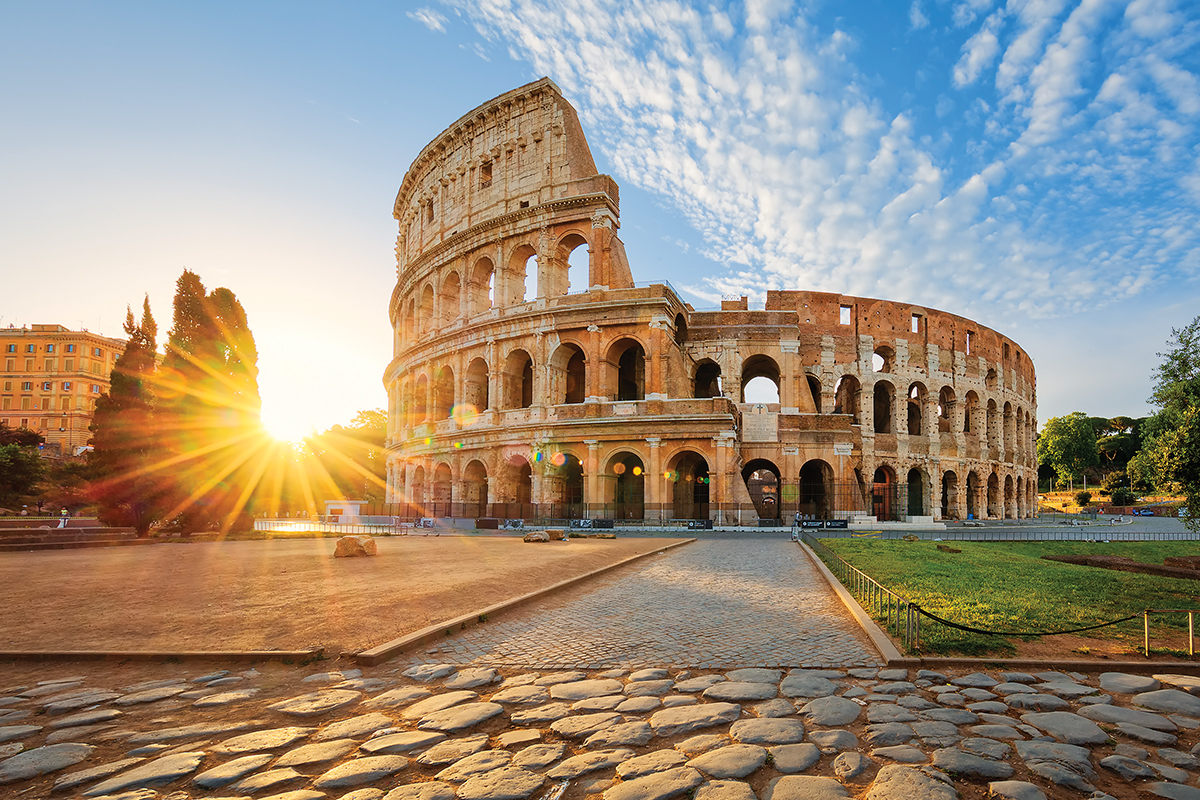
(533, 378)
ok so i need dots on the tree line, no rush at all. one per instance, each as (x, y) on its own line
(178, 442)
(1126, 456)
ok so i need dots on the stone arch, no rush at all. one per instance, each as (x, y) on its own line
(475, 388)
(816, 495)
(481, 288)
(764, 483)
(568, 374)
(883, 404)
(443, 393)
(707, 382)
(814, 388)
(950, 495)
(846, 397)
(626, 370)
(884, 493)
(520, 279)
(945, 409)
(883, 359)
(916, 408)
(573, 271)
(917, 502)
(760, 366)
(971, 413)
(475, 489)
(450, 300)
(687, 471)
(517, 380)
(627, 474)
(421, 400)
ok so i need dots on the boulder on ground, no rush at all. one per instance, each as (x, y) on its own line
(352, 546)
(537, 536)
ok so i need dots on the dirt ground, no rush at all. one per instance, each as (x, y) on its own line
(281, 595)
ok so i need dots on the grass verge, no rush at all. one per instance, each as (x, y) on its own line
(1008, 586)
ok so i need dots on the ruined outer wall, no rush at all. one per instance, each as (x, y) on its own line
(485, 381)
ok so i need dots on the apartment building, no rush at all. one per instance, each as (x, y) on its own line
(51, 379)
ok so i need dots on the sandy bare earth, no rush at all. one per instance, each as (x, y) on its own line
(283, 595)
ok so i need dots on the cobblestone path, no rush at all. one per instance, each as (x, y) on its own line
(722, 602)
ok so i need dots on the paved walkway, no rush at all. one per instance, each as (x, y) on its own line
(725, 601)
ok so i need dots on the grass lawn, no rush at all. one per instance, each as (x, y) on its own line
(1008, 586)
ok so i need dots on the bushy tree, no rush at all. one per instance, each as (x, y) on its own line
(20, 465)
(209, 411)
(1068, 444)
(130, 476)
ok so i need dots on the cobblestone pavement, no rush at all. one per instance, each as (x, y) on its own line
(724, 601)
(437, 732)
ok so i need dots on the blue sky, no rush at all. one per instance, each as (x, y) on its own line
(1033, 165)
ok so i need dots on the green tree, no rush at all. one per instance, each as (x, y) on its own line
(21, 465)
(1068, 444)
(209, 410)
(130, 480)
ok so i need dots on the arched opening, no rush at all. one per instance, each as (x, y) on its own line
(482, 287)
(916, 408)
(573, 251)
(760, 380)
(763, 482)
(476, 386)
(626, 370)
(566, 485)
(442, 492)
(567, 375)
(450, 299)
(816, 490)
(846, 395)
(916, 493)
(708, 379)
(972, 496)
(681, 330)
(884, 500)
(945, 409)
(629, 493)
(993, 497)
(518, 380)
(425, 314)
(949, 495)
(421, 401)
(475, 499)
(883, 407)
(1009, 498)
(443, 394)
(688, 474)
(884, 359)
(970, 424)
(814, 388)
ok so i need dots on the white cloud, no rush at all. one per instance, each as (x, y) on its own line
(916, 16)
(429, 18)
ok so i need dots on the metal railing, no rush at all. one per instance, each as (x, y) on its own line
(899, 615)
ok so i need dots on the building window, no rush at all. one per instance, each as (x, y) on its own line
(27, 386)
(47, 386)
(70, 348)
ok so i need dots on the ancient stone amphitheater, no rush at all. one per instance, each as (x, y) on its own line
(533, 378)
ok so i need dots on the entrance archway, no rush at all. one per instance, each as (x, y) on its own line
(816, 490)
(763, 482)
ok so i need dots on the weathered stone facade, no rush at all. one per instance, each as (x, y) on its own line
(623, 401)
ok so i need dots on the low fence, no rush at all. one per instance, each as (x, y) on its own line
(910, 625)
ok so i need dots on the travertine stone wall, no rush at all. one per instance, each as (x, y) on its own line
(618, 394)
